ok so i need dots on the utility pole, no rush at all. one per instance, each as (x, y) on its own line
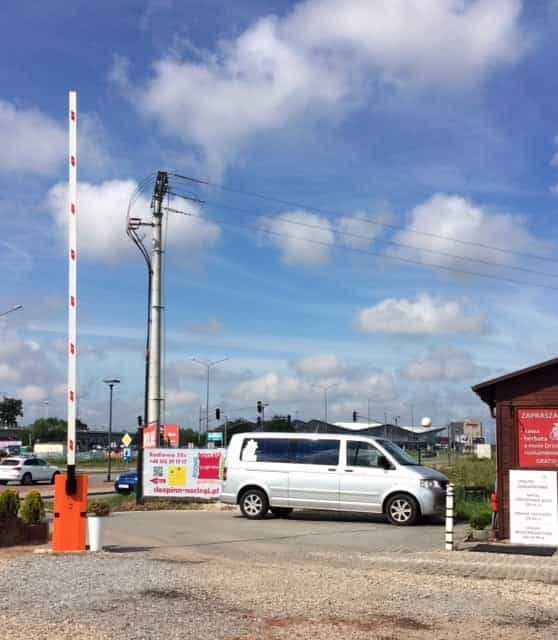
(155, 342)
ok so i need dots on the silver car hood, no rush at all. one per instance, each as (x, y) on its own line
(427, 472)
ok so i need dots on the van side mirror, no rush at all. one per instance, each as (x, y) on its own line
(384, 463)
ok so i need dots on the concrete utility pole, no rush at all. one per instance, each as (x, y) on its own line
(157, 250)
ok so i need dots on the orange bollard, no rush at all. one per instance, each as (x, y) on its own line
(70, 515)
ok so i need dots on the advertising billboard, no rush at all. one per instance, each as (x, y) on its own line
(182, 473)
(538, 438)
(171, 435)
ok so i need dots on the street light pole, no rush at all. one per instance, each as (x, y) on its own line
(111, 382)
(325, 388)
(16, 307)
(207, 364)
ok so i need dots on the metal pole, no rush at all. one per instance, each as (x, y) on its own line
(207, 403)
(71, 481)
(139, 486)
(226, 429)
(368, 412)
(111, 386)
(325, 405)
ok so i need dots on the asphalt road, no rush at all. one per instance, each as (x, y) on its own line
(227, 534)
(97, 485)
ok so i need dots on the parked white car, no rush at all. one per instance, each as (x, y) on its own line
(26, 470)
(285, 471)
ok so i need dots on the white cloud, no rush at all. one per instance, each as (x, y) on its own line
(458, 218)
(271, 387)
(303, 238)
(178, 398)
(320, 365)
(32, 393)
(423, 316)
(8, 373)
(34, 142)
(442, 363)
(102, 220)
(426, 42)
(212, 326)
(355, 231)
(320, 59)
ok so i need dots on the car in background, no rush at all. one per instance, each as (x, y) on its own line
(126, 483)
(27, 470)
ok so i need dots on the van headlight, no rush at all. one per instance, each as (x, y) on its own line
(427, 483)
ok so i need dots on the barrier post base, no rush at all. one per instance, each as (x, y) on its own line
(70, 515)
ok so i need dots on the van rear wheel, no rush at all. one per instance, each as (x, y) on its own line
(254, 504)
(402, 510)
(281, 512)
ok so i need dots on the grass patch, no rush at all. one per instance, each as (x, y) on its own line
(466, 472)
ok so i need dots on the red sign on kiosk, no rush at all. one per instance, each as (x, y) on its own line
(538, 438)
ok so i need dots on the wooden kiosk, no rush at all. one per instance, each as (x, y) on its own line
(525, 406)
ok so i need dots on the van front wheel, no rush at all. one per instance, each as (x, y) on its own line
(402, 510)
(254, 504)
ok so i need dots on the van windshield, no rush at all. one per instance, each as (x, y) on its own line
(397, 452)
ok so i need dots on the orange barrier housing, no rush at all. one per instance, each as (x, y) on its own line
(70, 515)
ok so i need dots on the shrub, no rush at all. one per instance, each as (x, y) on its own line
(480, 520)
(32, 508)
(99, 509)
(9, 503)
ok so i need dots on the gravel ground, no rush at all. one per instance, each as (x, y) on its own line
(176, 593)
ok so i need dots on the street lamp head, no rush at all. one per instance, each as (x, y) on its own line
(17, 307)
(112, 381)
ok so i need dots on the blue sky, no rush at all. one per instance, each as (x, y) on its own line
(435, 119)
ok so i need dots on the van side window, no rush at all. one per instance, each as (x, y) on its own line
(265, 450)
(362, 454)
(317, 452)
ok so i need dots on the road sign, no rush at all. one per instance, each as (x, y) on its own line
(126, 440)
(215, 436)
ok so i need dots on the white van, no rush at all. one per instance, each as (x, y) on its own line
(284, 471)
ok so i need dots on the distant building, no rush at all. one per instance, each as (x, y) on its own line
(465, 434)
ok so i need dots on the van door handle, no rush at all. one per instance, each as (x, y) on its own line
(332, 469)
(349, 470)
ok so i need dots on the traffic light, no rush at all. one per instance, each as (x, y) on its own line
(289, 420)
(259, 406)
(354, 416)
(259, 422)
(217, 414)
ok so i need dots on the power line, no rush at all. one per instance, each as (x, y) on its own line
(385, 241)
(373, 221)
(367, 252)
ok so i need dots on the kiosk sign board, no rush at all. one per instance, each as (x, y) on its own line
(182, 473)
(538, 438)
(534, 507)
